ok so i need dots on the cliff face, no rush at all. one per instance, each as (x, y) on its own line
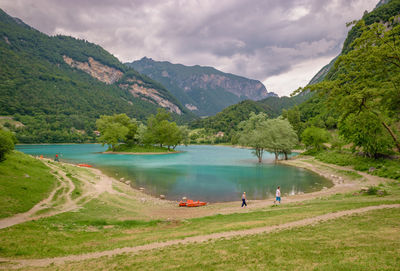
(251, 89)
(203, 90)
(110, 75)
(97, 70)
(149, 94)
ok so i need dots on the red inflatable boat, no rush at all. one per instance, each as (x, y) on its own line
(191, 203)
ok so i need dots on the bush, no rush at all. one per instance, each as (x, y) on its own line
(6, 143)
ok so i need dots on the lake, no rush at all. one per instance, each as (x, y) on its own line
(207, 173)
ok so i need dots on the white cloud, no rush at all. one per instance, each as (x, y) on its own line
(299, 76)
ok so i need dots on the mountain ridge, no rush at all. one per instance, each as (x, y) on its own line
(202, 89)
(58, 85)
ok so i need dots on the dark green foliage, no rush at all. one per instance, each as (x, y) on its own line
(314, 137)
(55, 102)
(6, 143)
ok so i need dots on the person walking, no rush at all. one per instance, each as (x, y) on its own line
(244, 199)
(278, 195)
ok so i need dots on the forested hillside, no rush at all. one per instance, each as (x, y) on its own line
(203, 90)
(228, 119)
(57, 86)
(359, 95)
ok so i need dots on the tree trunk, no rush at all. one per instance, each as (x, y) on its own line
(276, 156)
(396, 142)
(392, 135)
(285, 155)
(259, 153)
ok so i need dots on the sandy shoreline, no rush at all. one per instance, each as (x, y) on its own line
(153, 207)
(168, 209)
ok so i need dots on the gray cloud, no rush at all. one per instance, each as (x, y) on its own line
(257, 39)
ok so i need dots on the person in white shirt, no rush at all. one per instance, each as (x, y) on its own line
(278, 195)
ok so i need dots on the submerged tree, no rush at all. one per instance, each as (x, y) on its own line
(253, 134)
(282, 138)
(273, 135)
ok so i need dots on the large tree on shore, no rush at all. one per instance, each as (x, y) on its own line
(367, 87)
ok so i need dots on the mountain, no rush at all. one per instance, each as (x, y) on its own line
(384, 10)
(57, 86)
(315, 109)
(203, 90)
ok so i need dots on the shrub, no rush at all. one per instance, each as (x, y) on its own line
(6, 143)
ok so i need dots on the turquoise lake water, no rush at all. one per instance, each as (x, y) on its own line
(208, 173)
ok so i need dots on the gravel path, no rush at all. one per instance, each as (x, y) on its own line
(202, 238)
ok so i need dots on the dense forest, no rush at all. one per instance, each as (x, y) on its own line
(58, 103)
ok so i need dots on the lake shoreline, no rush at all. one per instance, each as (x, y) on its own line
(141, 153)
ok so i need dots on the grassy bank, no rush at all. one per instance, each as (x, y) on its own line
(388, 168)
(98, 226)
(24, 181)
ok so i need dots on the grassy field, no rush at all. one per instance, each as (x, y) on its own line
(24, 181)
(114, 221)
(370, 241)
(98, 226)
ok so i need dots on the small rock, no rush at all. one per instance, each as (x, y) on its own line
(128, 182)
(122, 179)
(371, 169)
(380, 192)
(364, 189)
(141, 188)
(324, 188)
(162, 196)
(27, 176)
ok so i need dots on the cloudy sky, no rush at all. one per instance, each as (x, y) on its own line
(282, 43)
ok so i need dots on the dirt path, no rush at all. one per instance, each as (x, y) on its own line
(195, 239)
(60, 199)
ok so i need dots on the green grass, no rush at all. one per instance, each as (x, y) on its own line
(78, 186)
(139, 148)
(20, 192)
(98, 227)
(369, 241)
(384, 167)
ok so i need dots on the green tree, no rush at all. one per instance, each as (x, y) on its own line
(253, 134)
(6, 143)
(114, 129)
(314, 137)
(282, 138)
(367, 84)
(367, 131)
